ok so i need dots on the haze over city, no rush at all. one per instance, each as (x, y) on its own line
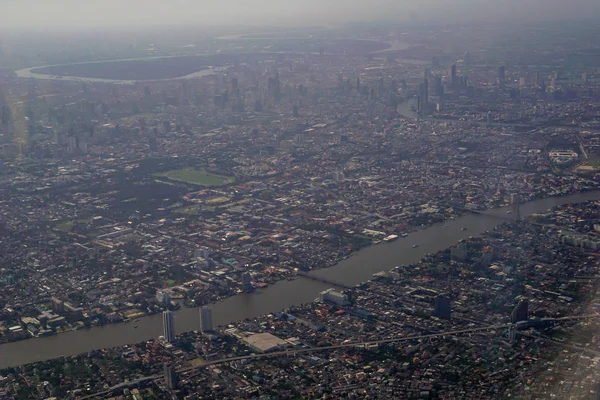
(333, 199)
(69, 14)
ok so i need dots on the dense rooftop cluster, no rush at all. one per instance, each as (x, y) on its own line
(473, 352)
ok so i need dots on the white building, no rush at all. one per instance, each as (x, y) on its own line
(163, 297)
(331, 296)
(563, 156)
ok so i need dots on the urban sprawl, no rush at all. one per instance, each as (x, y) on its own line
(124, 198)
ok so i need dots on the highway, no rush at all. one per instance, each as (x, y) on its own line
(288, 353)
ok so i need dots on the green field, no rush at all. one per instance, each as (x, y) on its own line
(188, 210)
(593, 163)
(196, 177)
(66, 226)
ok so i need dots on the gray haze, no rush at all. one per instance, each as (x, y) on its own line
(42, 14)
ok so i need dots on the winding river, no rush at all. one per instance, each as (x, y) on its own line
(281, 295)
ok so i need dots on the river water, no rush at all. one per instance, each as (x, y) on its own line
(274, 298)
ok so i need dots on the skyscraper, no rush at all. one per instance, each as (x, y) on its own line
(426, 91)
(234, 86)
(380, 88)
(206, 319)
(454, 77)
(170, 376)
(520, 312)
(168, 326)
(459, 252)
(247, 282)
(163, 297)
(501, 74)
(443, 307)
(439, 88)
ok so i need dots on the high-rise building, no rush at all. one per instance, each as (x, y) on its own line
(247, 282)
(82, 145)
(426, 91)
(454, 77)
(470, 91)
(152, 143)
(206, 319)
(501, 74)
(201, 253)
(443, 308)
(58, 305)
(72, 143)
(520, 312)
(163, 297)
(168, 326)
(439, 88)
(170, 377)
(459, 252)
(512, 333)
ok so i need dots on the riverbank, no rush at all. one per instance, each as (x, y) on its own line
(354, 270)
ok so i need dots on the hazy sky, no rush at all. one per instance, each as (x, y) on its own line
(37, 14)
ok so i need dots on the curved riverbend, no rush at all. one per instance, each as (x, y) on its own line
(356, 269)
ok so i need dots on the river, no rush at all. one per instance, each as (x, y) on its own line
(356, 269)
(30, 74)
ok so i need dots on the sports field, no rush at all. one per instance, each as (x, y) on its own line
(196, 177)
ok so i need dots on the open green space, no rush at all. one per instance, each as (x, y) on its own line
(593, 163)
(188, 210)
(196, 177)
(66, 226)
(170, 282)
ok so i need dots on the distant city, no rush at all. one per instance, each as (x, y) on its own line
(366, 212)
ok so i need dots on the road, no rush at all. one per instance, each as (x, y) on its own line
(288, 353)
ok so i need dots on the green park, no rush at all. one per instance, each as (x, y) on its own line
(196, 177)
